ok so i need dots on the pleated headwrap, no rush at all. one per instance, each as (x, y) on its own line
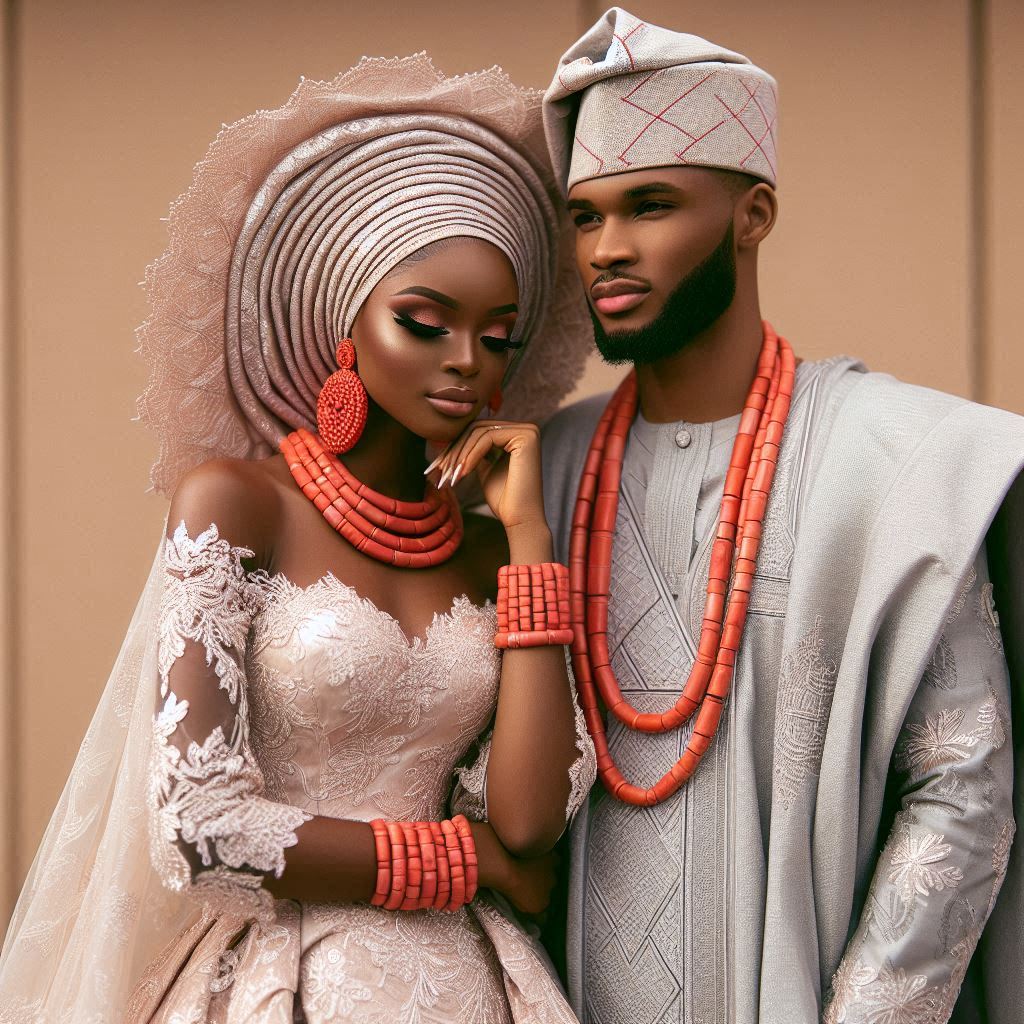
(342, 210)
(297, 214)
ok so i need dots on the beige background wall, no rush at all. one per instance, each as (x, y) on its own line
(900, 213)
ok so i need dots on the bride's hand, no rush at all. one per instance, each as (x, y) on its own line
(525, 883)
(531, 883)
(506, 458)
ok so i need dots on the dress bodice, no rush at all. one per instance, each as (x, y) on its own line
(348, 717)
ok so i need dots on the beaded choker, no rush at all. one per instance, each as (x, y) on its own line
(744, 500)
(410, 534)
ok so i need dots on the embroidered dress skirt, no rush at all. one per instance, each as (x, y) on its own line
(322, 963)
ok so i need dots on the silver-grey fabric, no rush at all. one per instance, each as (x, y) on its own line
(869, 713)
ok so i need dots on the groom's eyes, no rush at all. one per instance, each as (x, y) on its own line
(588, 218)
(584, 218)
(652, 206)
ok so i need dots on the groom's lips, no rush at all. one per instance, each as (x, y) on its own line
(618, 295)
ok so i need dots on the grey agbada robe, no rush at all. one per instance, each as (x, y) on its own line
(848, 730)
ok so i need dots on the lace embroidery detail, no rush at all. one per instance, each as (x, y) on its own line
(470, 794)
(329, 987)
(989, 618)
(233, 894)
(305, 691)
(940, 672)
(583, 771)
(806, 684)
(992, 721)
(888, 995)
(949, 773)
(352, 718)
(915, 865)
(961, 598)
(209, 796)
(418, 949)
(417, 796)
(203, 601)
(937, 742)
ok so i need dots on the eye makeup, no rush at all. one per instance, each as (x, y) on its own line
(418, 327)
(500, 344)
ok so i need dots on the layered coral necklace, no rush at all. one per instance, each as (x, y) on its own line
(745, 498)
(410, 534)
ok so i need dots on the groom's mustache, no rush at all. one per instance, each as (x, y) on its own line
(609, 277)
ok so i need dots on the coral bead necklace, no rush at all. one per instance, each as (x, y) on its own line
(744, 500)
(410, 534)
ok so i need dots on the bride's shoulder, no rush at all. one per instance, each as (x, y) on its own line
(241, 497)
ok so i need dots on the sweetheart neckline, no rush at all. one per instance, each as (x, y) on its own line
(261, 577)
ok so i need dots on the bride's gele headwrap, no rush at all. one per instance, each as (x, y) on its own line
(296, 214)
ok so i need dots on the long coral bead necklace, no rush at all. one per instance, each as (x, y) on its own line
(410, 534)
(744, 500)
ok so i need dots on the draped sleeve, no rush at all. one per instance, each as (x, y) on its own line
(941, 869)
(213, 832)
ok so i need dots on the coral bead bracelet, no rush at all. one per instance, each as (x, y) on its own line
(533, 605)
(424, 864)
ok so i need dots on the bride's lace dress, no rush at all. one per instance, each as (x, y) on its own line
(279, 702)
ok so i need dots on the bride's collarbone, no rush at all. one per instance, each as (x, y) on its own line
(311, 551)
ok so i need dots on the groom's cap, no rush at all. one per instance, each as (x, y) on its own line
(629, 95)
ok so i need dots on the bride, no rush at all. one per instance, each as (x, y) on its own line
(261, 823)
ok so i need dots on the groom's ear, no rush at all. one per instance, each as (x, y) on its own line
(755, 216)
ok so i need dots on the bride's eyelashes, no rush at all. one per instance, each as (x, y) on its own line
(417, 327)
(422, 330)
(500, 344)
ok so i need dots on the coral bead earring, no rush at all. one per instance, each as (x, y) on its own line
(494, 402)
(341, 407)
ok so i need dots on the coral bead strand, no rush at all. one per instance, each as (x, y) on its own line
(409, 534)
(734, 554)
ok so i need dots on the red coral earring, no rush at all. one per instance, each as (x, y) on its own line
(341, 407)
(494, 402)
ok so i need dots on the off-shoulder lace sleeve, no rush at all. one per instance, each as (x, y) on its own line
(469, 796)
(213, 832)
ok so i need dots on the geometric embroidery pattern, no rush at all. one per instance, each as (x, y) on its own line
(704, 118)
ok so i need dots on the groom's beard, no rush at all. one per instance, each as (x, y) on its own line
(697, 302)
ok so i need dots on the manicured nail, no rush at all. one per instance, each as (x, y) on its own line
(434, 463)
(455, 475)
(444, 476)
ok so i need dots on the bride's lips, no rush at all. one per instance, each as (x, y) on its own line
(454, 402)
(619, 295)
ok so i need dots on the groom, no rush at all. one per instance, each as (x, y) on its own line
(845, 837)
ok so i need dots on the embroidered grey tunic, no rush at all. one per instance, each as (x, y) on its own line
(730, 901)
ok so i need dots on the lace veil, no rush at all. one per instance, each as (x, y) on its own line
(93, 912)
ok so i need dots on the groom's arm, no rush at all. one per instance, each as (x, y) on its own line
(940, 871)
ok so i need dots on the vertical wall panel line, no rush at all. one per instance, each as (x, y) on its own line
(587, 12)
(10, 773)
(978, 361)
